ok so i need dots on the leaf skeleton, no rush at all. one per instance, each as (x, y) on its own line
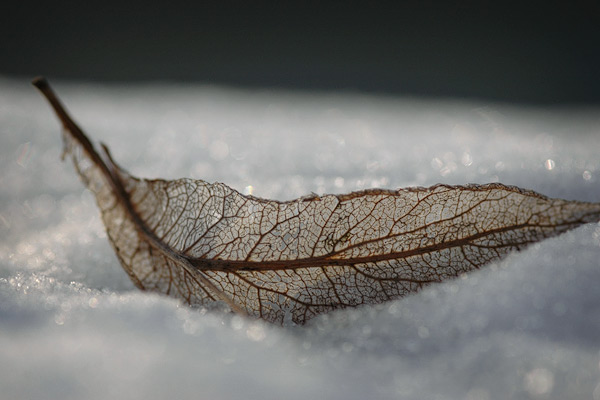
(205, 242)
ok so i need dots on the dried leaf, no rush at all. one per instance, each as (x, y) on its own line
(289, 261)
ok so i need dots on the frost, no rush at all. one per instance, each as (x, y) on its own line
(527, 327)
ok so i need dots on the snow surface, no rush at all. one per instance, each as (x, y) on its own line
(72, 326)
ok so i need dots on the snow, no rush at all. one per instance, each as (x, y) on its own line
(72, 325)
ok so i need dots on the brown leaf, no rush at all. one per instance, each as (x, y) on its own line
(289, 261)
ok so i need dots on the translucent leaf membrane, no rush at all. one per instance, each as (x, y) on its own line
(289, 261)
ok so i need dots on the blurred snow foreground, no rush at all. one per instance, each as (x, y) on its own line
(72, 326)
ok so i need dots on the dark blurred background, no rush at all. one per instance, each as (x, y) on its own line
(535, 52)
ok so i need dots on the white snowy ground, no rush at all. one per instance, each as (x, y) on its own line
(72, 326)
